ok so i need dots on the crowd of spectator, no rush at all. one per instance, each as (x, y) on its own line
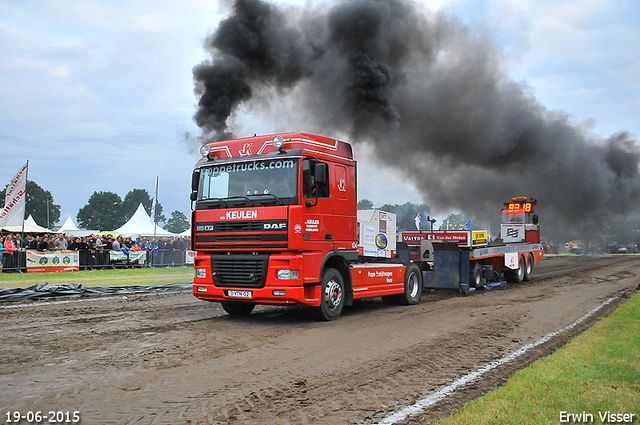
(93, 245)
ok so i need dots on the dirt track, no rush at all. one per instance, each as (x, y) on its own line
(168, 358)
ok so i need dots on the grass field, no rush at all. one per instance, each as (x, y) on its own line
(597, 372)
(107, 277)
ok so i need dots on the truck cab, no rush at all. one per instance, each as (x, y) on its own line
(270, 215)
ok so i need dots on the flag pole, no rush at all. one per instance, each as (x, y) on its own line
(25, 197)
(155, 225)
(23, 213)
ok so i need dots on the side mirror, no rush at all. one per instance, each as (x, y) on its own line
(321, 174)
(195, 180)
(535, 219)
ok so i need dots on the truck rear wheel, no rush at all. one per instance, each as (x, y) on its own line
(332, 295)
(517, 275)
(529, 269)
(238, 309)
(475, 276)
(412, 286)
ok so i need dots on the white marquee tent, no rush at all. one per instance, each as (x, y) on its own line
(140, 224)
(30, 226)
(69, 228)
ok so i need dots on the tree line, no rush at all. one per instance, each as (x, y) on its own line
(103, 210)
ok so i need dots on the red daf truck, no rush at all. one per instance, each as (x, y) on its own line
(274, 221)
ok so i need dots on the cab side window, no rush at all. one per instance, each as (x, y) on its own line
(310, 187)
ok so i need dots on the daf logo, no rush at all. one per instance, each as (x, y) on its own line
(275, 226)
(204, 228)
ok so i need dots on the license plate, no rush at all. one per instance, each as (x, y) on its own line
(239, 294)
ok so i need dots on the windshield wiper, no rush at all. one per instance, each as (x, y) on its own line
(272, 195)
(210, 200)
(244, 198)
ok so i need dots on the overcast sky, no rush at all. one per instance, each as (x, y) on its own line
(96, 94)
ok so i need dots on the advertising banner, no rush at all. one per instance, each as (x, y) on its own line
(131, 257)
(512, 233)
(479, 237)
(52, 261)
(466, 238)
(190, 256)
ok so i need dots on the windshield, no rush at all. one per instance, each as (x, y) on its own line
(252, 180)
(512, 218)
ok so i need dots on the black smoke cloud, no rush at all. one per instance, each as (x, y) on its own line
(433, 99)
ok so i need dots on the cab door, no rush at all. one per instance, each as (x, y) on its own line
(317, 225)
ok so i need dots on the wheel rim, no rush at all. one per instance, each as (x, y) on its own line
(333, 294)
(413, 285)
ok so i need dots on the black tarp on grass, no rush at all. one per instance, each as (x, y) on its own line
(47, 290)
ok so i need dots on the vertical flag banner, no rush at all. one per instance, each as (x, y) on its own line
(15, 199)
(418, 220)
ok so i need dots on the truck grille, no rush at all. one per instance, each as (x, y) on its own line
(241, 235)
(248, 271)
(240, 226)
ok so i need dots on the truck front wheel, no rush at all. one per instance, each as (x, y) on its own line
(238, 309)
(332, 296)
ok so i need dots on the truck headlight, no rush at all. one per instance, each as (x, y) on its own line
(201, 273)
(287, 274)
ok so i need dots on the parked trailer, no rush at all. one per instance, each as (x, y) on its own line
(274, 221)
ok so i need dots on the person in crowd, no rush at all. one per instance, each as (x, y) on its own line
(51, 243)
(43, 245)
(17, 240)
(74, 245)
(33, 244)
(84, 244)
(116, 246)
(9, 250)
(60, 242)
(90, 242)
(161, 243)
(108, 242)
(100, 258)
(97, 243)
(26, 241)
(2, 239)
